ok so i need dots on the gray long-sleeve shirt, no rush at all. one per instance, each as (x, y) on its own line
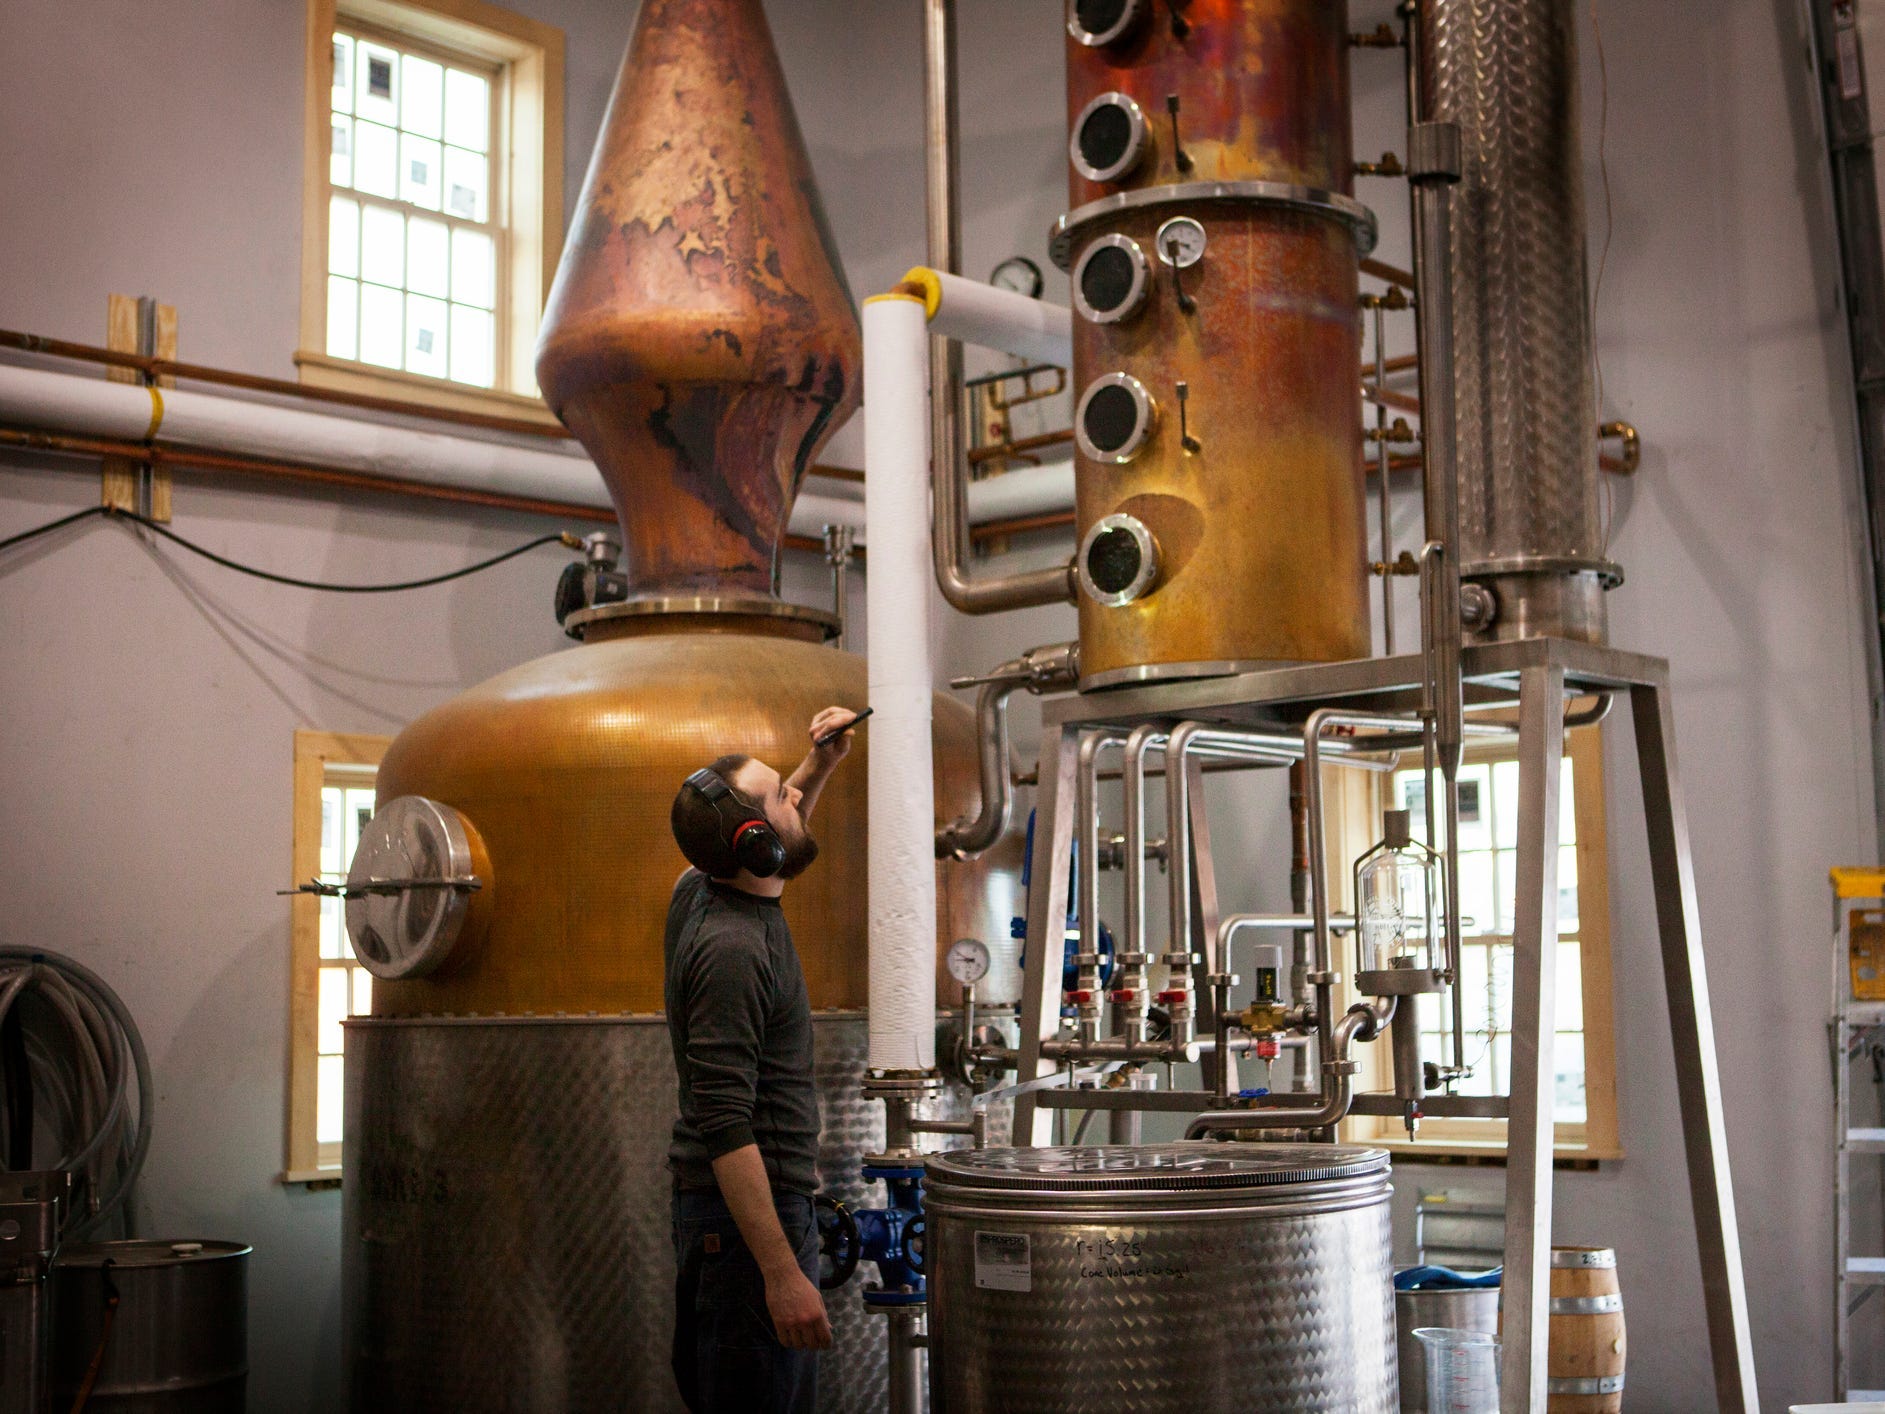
(740, 1021)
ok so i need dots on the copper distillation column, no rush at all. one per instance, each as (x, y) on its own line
(1213, 243)
(509, 1101)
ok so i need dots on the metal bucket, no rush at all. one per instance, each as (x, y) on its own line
(1461, 1308)
(1164, 1277)
(179, 1340)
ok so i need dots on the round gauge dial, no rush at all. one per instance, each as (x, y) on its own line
(1181, 242)
(1019, 275)
(967, 960)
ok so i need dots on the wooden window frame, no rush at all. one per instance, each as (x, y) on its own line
(1354, 825)
(526, 190)
(315, 755)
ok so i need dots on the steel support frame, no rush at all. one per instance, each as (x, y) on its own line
(1541, 675)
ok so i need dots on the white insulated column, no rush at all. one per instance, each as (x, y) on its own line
(902, 873)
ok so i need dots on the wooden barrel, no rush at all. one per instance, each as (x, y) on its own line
(1585, 1371)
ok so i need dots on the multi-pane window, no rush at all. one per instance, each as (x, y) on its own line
(1489, 825)
(333, 800)
(346, 988)
(414, 257)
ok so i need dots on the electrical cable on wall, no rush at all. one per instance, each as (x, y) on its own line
(74, 1072)
(115, 513)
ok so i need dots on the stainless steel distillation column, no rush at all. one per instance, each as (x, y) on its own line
(1533, 541)
(1509, 426)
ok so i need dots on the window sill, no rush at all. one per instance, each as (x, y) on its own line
(1492, 1155)
(314, 1180)
(345, 376)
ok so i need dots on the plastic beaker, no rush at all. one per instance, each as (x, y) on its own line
(1462, 1370)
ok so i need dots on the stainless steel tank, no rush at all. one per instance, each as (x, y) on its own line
(1167, 1277)
(178, 1342)
(511, 1213)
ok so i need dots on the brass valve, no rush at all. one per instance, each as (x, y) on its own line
(1261, 1018)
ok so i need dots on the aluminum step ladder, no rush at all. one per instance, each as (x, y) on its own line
(1858, 1025)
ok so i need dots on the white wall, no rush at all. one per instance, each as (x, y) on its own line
(149, 703)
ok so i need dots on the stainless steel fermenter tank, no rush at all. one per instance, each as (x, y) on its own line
(1167, 1277)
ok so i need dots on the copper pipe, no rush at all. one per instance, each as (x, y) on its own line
(255, 383)
(999, 451)
(1632, 453)
(1393, 274)
(1626, 462)
(1024, 525)
(1388, 398)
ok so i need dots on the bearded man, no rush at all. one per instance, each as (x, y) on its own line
(749, 1318)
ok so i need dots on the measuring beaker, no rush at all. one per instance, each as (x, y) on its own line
(1462, 1370)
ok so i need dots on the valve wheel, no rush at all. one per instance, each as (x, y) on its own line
(840, 1245)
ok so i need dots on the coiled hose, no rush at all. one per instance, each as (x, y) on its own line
(77, 1078)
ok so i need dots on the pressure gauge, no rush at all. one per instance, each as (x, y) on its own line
(1180, 242)
(1019, 275)
(967, 960)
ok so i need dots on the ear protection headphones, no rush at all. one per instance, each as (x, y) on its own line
(746, 834)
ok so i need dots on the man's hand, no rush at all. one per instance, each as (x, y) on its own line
(797, 1309)
(827, 721)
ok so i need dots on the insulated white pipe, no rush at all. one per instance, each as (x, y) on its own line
(975, 313)
(902, 872)
(92, 406)
(1016, 495)
(82, 406)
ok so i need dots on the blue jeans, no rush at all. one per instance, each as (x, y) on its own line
(727, 1358)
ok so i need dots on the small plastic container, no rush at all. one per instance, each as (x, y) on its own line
(1462, 1370)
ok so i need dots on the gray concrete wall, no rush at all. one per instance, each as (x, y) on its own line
(149, 702)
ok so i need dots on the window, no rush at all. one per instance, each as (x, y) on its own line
(1585, 1098)
(333, 799)
(434, 199)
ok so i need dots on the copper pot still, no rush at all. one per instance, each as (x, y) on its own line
(701, 341)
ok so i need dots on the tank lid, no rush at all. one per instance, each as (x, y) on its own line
(141, 1252)
(1176, 1167)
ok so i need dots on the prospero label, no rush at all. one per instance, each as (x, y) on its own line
(1003, 1262)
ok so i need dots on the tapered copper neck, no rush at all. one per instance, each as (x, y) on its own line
(700, 338)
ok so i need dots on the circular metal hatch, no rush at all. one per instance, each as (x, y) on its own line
(409, 888)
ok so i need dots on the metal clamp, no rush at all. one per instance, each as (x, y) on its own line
(1336, 206)
(1433, 152)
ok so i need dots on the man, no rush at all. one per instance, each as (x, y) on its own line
(749, 1318)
